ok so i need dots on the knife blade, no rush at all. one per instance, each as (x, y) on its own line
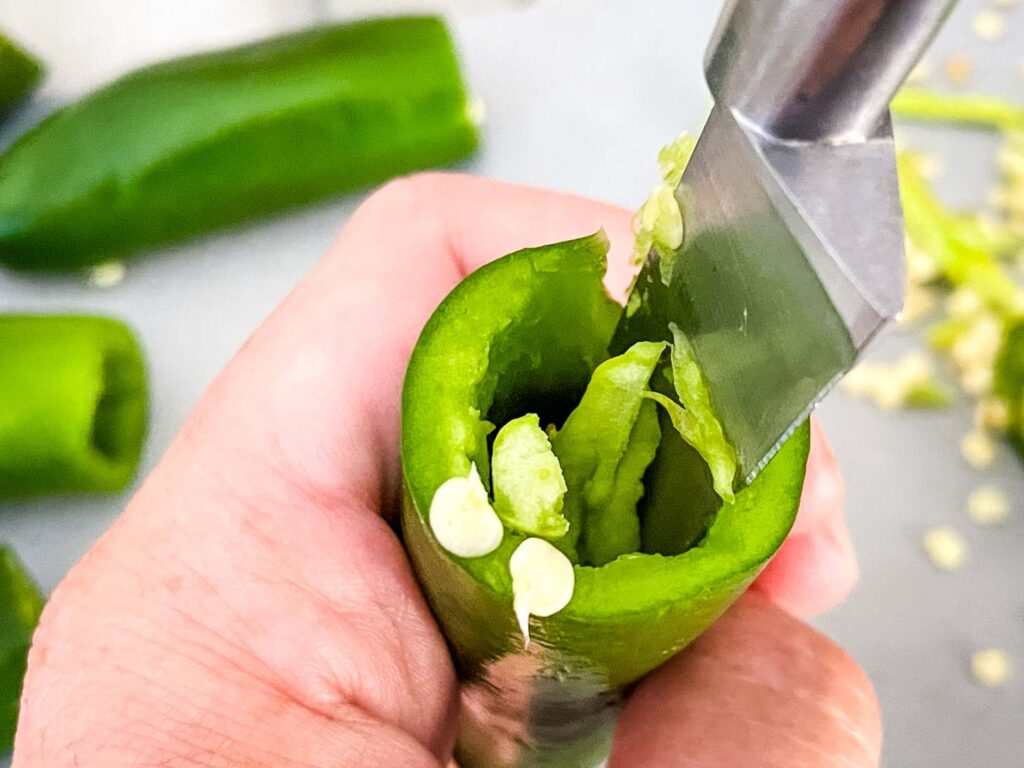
(792, 258)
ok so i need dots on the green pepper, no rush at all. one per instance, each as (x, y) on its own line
(527, 334)
(187, 146)
(21, 604)
(1008, 379)
(958, 255)
(987, 112)
(72, 404)
(20, 73)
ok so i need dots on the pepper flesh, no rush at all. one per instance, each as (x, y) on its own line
(72, 405)
(604, 448)
(21, 603)
(190, 145)
(524, 335)
(19, 75)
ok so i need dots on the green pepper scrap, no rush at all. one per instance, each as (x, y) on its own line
(983, 332)
(499, 347)
(190, 145)
(980, 111)
(21, 603)
(72, 405)
(20, 73)
(1009, 379)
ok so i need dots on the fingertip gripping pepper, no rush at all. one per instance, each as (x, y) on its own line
(73, 405)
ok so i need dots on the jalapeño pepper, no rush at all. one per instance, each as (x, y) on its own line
(528, 334)
(187, 146)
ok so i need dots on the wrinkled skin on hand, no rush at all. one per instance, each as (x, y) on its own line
(252, 606)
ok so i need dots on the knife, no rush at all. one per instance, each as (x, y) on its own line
(792, 258)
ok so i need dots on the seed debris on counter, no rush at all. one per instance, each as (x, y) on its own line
(945, 547)
(909, 382)
(958, 70)
(106, 275)
(978, 449)
(988, 505)
(991, 667)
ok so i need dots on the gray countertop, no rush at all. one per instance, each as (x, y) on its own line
(579, 97)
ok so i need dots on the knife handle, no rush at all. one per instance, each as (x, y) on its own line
(818, 70)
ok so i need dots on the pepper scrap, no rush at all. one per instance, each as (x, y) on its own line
(72, 405)
(187, 146)
(528, 333)
(20, 73)
(21, 604)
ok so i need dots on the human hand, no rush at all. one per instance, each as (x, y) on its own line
(252, 606)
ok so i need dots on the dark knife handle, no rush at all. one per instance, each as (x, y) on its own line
(818, 70)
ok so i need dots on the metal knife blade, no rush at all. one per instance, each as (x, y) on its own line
(762, 286)
(792, 258)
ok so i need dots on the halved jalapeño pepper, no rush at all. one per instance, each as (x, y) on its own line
(528, 334)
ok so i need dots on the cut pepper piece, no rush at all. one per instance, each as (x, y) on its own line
(187, 146)
(21, 604)
(20, 73)
(72, 404)
(525, 334)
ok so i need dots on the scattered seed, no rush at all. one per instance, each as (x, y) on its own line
(929, 165)
(989, 25)
(991, 667)
(964, 302)
(945, 547)
(978, 449)
(920, 74)
(476, 111)
(106, 275)
(918, 301)
(992, 413)
(958, 70)
(988, 505)
(977, 381)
